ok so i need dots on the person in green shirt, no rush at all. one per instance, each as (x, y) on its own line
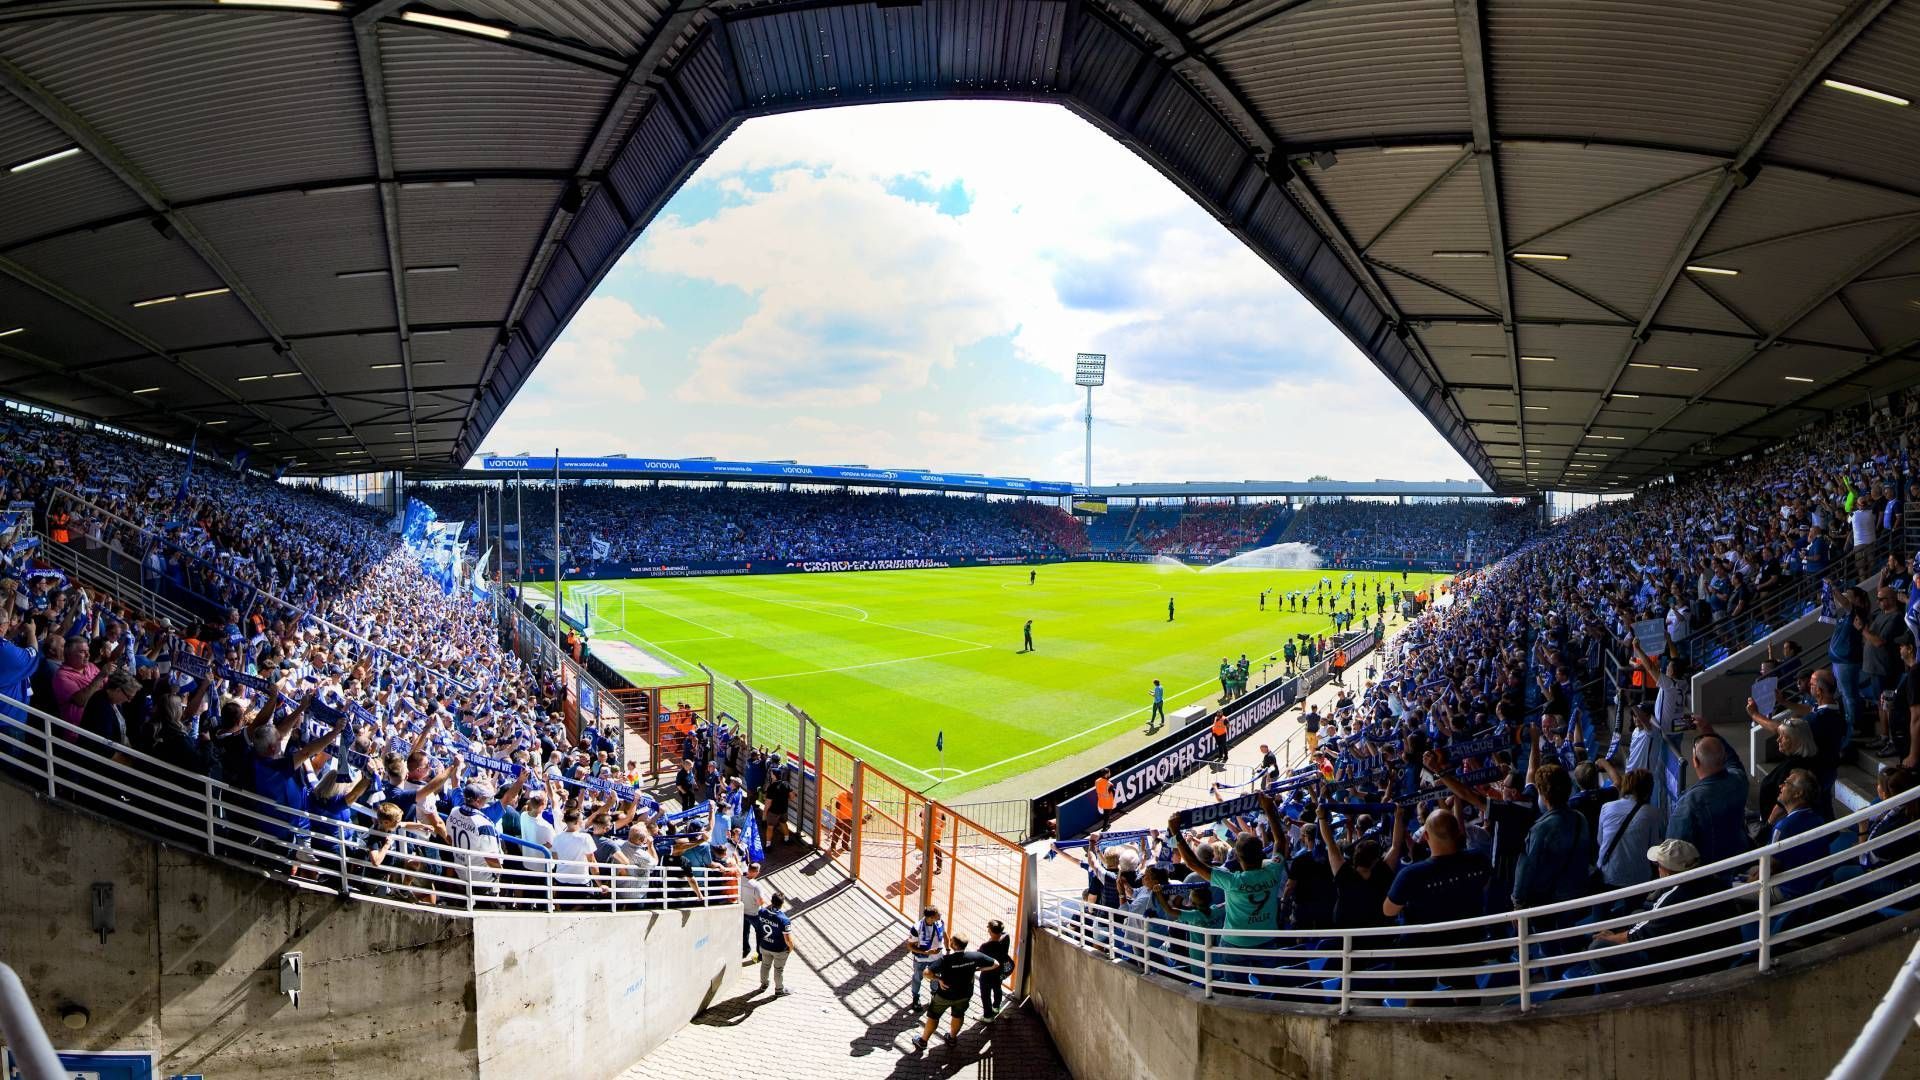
(1252, 892)
(1226, 678)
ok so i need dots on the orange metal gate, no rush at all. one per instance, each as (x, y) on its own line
(886, 834)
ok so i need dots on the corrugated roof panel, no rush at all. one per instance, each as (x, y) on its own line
(1415, 299)
(1688, 305)
(1783, 201)
(1699, 74)
(1624, 275)
(1830, 324)
(1546, 185)
(53, 331)
(1855, 135)
(1367, 188)
(1764, 378)
(1711, 354)
(57, 195)
(1537, 298)
(655, 152)
(597, 237)
(334, 232)
(1890, 309)
(1452, 218)
(458, 102)
(619, 26)
(206, 103)
(1104, 62)
(1583, 356)
(1786, 276)
(705, 78)
(1190, 139)
(117, 266)
(1353, 70)
(435, 231)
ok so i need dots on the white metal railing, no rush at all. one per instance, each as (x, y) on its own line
(1534, 954)
(1893, 1019)
(96, 567)
(349, 858)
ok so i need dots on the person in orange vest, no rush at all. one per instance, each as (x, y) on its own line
(842, 836)
(1103, 797)
(939, 829)
(1220, 739)
(1339, 666)
(57, 519)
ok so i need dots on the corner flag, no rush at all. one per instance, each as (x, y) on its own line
(940, 741)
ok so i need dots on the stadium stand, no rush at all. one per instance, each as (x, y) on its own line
(351, 717)
(677, 524)
(1470, 828)
(1349, 533)
(1212, 530)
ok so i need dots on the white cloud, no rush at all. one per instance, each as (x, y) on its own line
(870, 310)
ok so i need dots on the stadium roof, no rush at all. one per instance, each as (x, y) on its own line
(1593, 240)
(1274, 489)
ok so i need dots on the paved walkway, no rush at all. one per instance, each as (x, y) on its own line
(846, 1016)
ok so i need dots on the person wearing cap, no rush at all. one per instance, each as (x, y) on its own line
(1669, 857)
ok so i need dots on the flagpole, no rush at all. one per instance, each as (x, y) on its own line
(559, 594)
(520, 536)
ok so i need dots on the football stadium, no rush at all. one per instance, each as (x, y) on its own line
(1574, 731)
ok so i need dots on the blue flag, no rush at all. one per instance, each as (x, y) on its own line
(940, 741)
(750, 836)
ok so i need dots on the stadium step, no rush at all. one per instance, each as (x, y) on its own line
(847, 1014)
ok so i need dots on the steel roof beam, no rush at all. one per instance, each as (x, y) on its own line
(373, 86)
(1473, 55)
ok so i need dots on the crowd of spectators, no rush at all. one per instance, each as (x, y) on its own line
(1479, 772)
(1349, 533)
(1211, 530)
(654, 526)
(322, 670)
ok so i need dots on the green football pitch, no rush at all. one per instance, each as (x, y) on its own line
(888, 660)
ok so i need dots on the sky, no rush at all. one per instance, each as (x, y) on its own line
(905, 286)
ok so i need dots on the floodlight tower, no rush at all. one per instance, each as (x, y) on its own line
(1090, 370)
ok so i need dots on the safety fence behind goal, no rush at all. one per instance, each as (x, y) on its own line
(915, 852)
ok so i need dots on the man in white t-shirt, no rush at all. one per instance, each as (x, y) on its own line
(754, 894)
(573, 859)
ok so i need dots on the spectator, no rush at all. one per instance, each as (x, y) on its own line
(775, 929)
(1670, 857)
(953, 976)
(1629, 826)
(998, 947)
(926, 943)
(754, 894)
(1711, 814)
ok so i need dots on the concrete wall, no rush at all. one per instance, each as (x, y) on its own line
(1109, 1024)
(191, 972)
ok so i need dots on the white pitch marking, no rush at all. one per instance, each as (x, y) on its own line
(853, 667)
(849, 618)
